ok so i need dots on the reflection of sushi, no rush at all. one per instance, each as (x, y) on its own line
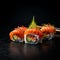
(32, 36)
(48, 31)
(17, 34)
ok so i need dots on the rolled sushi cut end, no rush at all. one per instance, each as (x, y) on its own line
(31, 39)
(48, 36)
(17, 39)
(48, 31)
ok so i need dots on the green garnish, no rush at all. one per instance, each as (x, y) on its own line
(33, 23)
(28, 39)
(15, 37)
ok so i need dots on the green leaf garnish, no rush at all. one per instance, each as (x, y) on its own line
(33, 23)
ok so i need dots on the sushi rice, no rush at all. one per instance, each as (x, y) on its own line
(48, 37)
(30, 40)
(17, 39)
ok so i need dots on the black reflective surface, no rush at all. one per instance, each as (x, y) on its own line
(18, 51)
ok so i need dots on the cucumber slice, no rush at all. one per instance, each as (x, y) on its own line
(15, 37)
(28, 39)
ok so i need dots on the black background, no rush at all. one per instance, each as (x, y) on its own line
(13, 14)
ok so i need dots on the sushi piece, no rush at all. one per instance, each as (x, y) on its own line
(17, 34)
(48, 30)
(32, 36)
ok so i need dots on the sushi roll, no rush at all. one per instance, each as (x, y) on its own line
(32, 36)
(17, 34)
(49, 31)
